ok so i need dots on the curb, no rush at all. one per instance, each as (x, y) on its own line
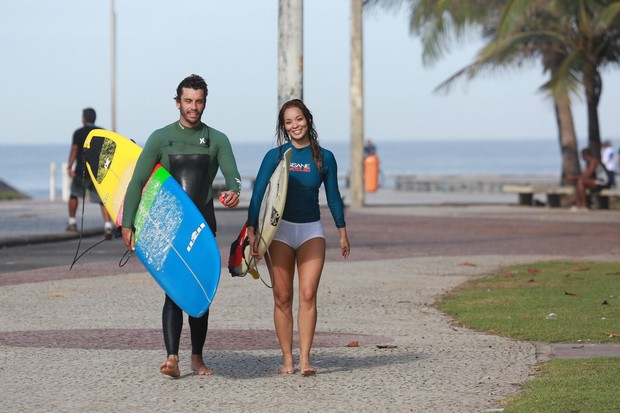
(29, 239)
(551, 351)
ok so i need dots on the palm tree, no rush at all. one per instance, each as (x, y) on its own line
(573, 38)
(590, 30)
(438, 23)
(516, 39)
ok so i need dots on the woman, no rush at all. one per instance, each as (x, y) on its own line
(300, 238)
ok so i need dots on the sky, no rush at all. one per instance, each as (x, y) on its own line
(56, 61)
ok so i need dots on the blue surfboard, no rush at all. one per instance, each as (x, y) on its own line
(176, 245)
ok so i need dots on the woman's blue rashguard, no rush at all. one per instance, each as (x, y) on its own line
(302, 198)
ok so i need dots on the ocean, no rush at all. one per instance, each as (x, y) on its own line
(27, 167)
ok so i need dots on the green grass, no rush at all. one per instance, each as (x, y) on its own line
(586, 385)
(550, 302)
(10, 196)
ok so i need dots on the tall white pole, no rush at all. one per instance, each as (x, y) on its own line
(113, 63)
(52, 181)
(356, 177)
(290, 50)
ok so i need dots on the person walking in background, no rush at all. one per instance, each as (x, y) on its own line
(300, 238)
(192, 152)
(371, 167)
(369, 148)
(80, 180)
(594, 177)
(608, 158)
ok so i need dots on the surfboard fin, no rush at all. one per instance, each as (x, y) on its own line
(254, 273)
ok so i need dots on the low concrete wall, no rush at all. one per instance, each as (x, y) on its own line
(466, 183)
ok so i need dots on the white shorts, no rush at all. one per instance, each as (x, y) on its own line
(294, 234)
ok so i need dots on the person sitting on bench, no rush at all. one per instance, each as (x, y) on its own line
(595, 177)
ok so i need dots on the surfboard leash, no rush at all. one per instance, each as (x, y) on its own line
(254, 271)
(76, 257)
(260, 236)
(127, 254)
(269, 267)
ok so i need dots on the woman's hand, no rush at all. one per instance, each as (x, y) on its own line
(345, 247)
(253, 240)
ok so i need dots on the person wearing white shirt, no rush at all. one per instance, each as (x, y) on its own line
(609, 160)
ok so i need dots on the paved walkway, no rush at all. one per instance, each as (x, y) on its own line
(90, 340)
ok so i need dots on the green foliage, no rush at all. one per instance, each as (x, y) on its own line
(550, 302)
(10, 196)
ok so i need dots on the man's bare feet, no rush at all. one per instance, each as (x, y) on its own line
(198, 365)
(170, 367)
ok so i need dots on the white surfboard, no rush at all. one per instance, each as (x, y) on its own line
(272, 206)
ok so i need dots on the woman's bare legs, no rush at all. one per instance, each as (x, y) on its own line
(283, 268)
(310, 261)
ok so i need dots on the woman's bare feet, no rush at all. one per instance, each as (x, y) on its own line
(198, 365)
(288, 365)
(170, 367)
(305, 367)
(308, 371)
(286, 370)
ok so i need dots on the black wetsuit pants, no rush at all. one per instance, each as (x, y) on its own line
(191, 172)
(172, 320)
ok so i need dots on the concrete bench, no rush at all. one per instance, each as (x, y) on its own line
(554, 194)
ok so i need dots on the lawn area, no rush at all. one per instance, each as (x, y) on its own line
(551, 302)
(582, 385)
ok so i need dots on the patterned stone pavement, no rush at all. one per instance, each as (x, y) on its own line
(89, 339)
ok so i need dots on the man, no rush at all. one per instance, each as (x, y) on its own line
(192, 152)
(595, 177)
(80, 180)
(609, 160)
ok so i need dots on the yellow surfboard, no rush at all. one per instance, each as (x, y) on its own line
(112, 171)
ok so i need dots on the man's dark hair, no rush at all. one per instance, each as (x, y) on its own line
(89, 115)
(192, 82)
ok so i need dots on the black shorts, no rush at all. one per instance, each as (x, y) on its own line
(79, 186)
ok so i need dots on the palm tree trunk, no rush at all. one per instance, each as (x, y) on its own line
(593, 86)
(568, 139)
